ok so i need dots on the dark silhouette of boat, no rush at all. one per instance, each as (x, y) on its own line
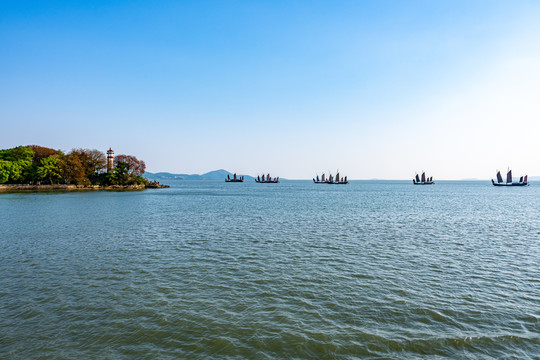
(423, 181)
(522, 180)
(234, 178)
(331, 179)
(267, 180)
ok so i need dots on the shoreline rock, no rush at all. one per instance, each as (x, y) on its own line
(156, 185)
(35, 188)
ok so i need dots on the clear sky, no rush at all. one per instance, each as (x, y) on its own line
(378, 89)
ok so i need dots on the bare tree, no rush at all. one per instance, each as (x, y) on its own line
(136, 166)
(97, 159)
(93, 160)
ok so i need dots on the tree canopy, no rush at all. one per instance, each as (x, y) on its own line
(34, 164)
(136, 166)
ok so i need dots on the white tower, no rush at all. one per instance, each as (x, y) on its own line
(110, 158)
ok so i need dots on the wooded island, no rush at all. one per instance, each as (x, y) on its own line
(37, 166)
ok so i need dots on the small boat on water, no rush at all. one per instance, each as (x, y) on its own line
(234, 178)
(331, 179)
(423, 181)
(522, 180)
(267, 179)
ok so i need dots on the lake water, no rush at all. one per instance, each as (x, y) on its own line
(208, 270)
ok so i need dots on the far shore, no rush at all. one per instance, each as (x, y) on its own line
(33, 188)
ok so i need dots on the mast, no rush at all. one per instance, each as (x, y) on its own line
(417, 178)
(423, 177)
(509, 177)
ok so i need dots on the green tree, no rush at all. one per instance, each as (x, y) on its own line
(5, 170)
(12, 169)
(17, 154)
(50, 167)
(119, 175)
(19, 159)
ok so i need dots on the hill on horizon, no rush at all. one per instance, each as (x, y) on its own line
(220, 174)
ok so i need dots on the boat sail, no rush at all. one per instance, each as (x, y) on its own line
(331, 179)
(522, 180)
(424, 180)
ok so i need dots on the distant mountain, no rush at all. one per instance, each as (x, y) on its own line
(217, 175)
(212, 175)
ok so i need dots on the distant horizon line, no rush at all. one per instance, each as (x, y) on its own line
(531, 178)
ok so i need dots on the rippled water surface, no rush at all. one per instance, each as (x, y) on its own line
(207, 269)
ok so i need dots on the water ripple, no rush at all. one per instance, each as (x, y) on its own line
(206, 270)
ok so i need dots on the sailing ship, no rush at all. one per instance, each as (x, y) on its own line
(234, 178)
(522, 180)
(423, 180)
(267, 180)
(331, 179)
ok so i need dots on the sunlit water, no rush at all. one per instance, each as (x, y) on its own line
(207, 269)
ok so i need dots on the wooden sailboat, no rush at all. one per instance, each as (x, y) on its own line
(234, 178)
(522, 180)
(331, 179)
(267, 180)
(316, 179)
(423, 180)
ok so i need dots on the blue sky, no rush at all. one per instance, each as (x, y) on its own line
(378, 89)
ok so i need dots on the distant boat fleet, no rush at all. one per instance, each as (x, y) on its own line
(417, 180)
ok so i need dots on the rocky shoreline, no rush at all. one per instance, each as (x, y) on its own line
(32, 188)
